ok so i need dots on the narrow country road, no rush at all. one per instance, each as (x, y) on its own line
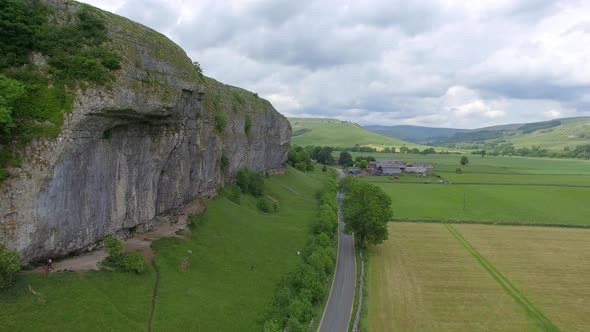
(339, 308)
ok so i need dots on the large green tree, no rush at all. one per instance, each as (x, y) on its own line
(367, 210)
(345, 159)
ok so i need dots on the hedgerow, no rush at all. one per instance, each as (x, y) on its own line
(301, 291)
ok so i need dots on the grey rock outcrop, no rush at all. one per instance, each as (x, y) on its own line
(133, 152)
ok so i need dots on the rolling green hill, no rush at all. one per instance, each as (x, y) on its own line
(337, 133)
(415, 134)
(552, 135)
(571, 132)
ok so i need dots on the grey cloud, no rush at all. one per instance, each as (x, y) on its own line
(380, 61)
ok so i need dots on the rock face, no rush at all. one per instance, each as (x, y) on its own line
(133, 152)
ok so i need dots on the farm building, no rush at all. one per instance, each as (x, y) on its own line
(389, 167)
(415, 170)
(388, 170)
(422, 164)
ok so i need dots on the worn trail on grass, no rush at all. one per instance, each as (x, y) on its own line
(531, 310)
(154, 295)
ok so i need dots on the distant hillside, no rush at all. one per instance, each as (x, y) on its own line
(552, 135)
(337, 133)
(415, 134)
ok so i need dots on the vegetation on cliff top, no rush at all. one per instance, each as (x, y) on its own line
(44, 57)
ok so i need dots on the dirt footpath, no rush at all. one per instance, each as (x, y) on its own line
(138, 243)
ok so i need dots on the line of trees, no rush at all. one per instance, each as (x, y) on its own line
(508, 149)
(299, 294)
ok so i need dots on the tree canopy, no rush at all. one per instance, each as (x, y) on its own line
(345, 159)
(366, 210)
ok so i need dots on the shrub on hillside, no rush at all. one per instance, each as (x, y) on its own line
(133, 262)
(195, 220)
(299, 158)
(9, 267)
(263, 205)
(250, 182)
(232, 192)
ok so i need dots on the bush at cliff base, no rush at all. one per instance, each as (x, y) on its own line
(133, 262)
(9, 267)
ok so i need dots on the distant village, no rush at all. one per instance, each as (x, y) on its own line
(392, 167)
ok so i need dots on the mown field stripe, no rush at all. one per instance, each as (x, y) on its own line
(531, 310)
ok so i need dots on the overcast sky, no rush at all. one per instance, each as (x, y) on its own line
(436, 63)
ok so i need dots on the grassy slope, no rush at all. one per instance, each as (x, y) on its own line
(415, 134)
(219, 291)
(331, 132)
(571, 132)
(92, 301)
(567, 134)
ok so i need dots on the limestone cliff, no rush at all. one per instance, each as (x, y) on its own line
(133, 151)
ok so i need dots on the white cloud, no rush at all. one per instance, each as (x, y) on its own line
(552, 114)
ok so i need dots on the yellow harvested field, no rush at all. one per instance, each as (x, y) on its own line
(424, 279)
(550, 266)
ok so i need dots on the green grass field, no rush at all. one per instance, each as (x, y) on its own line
(493, 189)
(238, 257)
(433, 277)
(498, 203)
(336, 133)
(491, 164)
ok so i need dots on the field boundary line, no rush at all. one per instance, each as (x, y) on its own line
(451, 183)
(492, 223)
(533, 312)
(521, 184)
(512, 173)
